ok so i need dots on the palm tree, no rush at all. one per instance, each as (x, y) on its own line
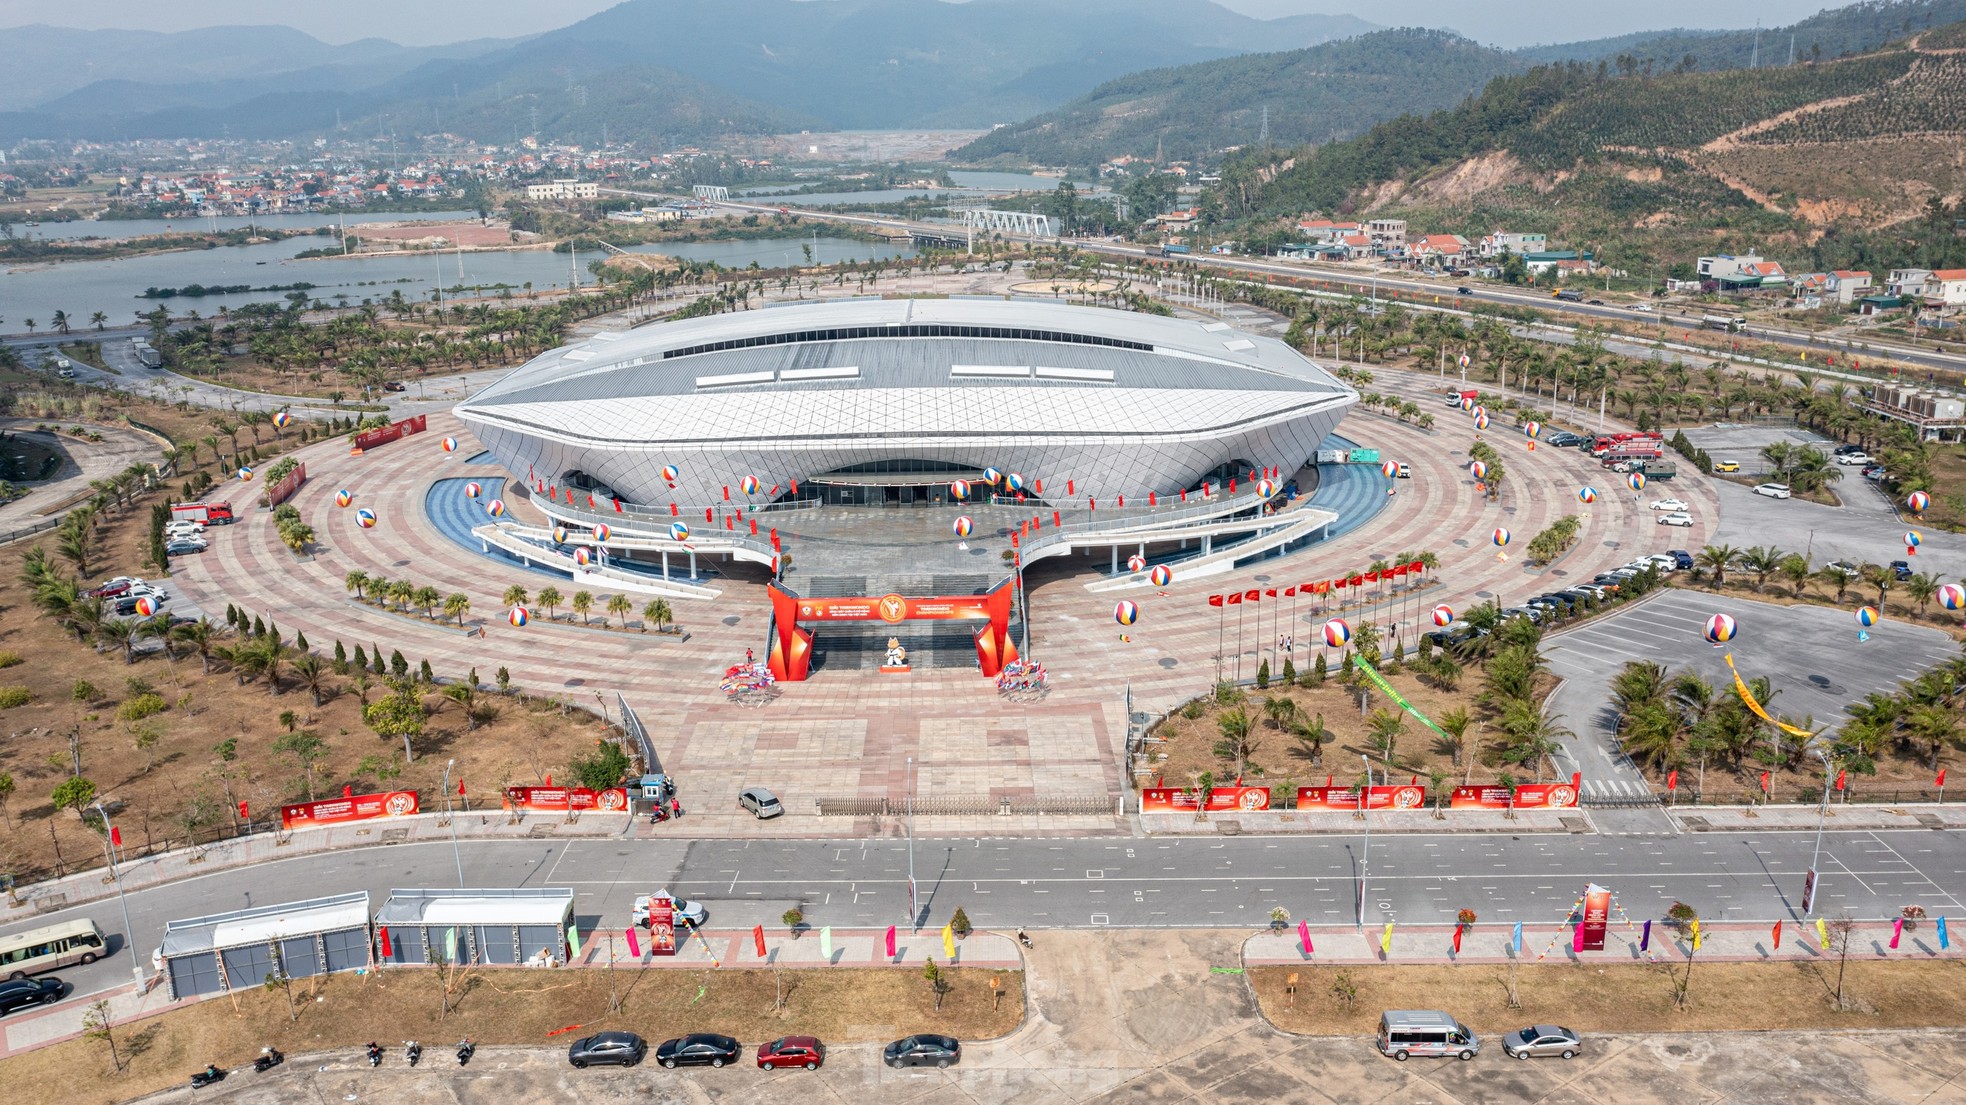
(355, 581)
(456, 605)
(657, 611)
(203, 638)
(1922, 588)
(120, 631)
(1281, 710)
(402, 592)
(427, 597)
(98, 319)
(583, 604)
(1880, 577)
(1761, 560)
(1794, 568)
(515, 595)
(61, 321)
(1385, 727)
(1933, 725)
(313, 675)
(621, 605)
(1715, 560)
(550, 598)
(1235, 726)
(1837, 578)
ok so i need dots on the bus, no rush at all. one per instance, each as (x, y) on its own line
(1732, 324)
(49, 947)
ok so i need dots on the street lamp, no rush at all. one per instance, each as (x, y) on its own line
(129, 933)
(914, 910)
(1365, 857)
(451, 818)
(1809, 887)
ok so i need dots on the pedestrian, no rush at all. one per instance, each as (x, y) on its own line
(748, 657)
(675, 807)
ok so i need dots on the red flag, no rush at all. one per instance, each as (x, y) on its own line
(1290, 592)
(1092, 504)
(1672, 779)
(1356, 580)
(1327, 780)
(707, 516)
(1056, 520)
(347, 791)
(1764, 782)
(1071, 487)
(1122, 502)
(383, 931)
(890, 941)
(1942, 779)
(754, 527)
(1457, 939)
(1270, 593)
(1216, 600)
(617, 506)
(1252, 595)
(569, 496)
(1415, 782)
(1371, 577)
(116, 835)
(1184, 494)
(1776, 935)
(1238, 780)
(729, 522)
(591, 505)
(1840, 775)
(1232, 485)
(634, 945)
(1013, 540)
(1152, 500)
(1038, 487)
(774, 541)
(1416, 566)
(460, 788)
(795, 487)
(726, 493)
(244, 813)
(549, 778)
(758, 939)
(673, 512)
(1235, 598)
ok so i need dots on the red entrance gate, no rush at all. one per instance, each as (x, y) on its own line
(791, 644)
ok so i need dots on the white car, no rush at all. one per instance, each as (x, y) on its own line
(1665, 564)
(1645, 307)
(692, 914)
(1676, 519)
(1669, 504)
(1773, 490)
(1853, 459)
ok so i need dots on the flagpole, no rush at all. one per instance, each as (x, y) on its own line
(1221, 624)
(1239, 607)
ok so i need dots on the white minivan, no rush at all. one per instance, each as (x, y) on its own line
(1427, 1033)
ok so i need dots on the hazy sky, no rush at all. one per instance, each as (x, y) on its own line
(422, 22)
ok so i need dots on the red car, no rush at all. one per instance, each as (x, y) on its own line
(791, 1051)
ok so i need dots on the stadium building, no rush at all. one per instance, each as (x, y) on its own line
(892, 401)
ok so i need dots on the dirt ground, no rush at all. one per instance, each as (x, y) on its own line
(1721, 997)
(517, 1006)
(160, 783)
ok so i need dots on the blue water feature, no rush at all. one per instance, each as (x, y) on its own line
(455, 514)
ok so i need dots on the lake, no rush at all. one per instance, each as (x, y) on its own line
(137, 228)
(978, 182)
(112, 287)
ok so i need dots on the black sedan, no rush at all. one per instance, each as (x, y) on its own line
(20, 993)
(925, 1050)
(698, 1049)
(621, 1049)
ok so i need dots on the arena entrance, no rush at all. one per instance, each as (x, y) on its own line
(855, 630)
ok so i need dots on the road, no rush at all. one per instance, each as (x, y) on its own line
(1484, 293)
(1104, 882)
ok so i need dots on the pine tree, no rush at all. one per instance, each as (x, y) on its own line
(1319, 671)
(424, 675)
(361, 659)
(259, 626)
(1263, 676)
(340, 658)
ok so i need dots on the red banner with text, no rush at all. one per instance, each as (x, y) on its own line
(1529, 796)
(1346, 799)
(1597, 917)
(610, 800)
(284, 490)
(383, 435)
(360, 807)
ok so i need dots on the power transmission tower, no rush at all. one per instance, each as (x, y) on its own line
(1263, 137)
(1754, 55)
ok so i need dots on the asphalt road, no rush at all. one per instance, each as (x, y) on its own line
(1078, 883)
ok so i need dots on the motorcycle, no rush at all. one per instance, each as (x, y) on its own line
(269, 1057)
(465, 1049)
(1024, 938)
(207, 1077)
(375, 1054)
(413, 1051)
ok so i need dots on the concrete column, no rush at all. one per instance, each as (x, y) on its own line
(692, 564)
(1207, 543)
(1116, 560)
(665, 563)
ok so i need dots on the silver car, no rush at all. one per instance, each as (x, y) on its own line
(1540, 1041)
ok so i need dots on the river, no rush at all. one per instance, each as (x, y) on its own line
(112, 287)
(212, 224)
(981, 183)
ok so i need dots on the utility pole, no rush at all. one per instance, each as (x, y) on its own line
(109, 835)
(1810, 889)
(1365, 855)
(451, 819)
(914, 908)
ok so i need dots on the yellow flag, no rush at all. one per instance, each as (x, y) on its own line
(1696, 936)
(1822, 933)
(949, 941)
(1386, 939)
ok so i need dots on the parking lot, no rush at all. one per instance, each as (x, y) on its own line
(1809, 653)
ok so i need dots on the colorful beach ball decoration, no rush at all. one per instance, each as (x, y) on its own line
(1337, 633)
(1917, 501)
(1126, 613)
(582, 556)
(343, 497)
(1016, 481)
(992, 477)
(1477, 413)
(1467, 403)
(1162, 575)
(959, 490)
(670, 473)
(245, 473)
(1532, 429)
(749, 485)
(1389, 469)
(146, 607)
(519, 616)
(602, 533)
(1720, 629)
(1481, 421)
(281, 419)
(1952, 596)
(1136, 563)
(1443, 615)
(1913, 539)
(965, 526)
(472, 490)
(1500, 537)
(1266, 488)
(1867, 616)
(450, 445)
(365, 518)
(1587, 494)
(1636, 481)
(1478, 469)
(496, 508)
(678, 531)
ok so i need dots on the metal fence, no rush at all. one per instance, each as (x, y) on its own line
(632, 725)
(975, 805)
(25, 532)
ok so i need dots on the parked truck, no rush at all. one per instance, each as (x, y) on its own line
(1659, 469)
(149, 357)
(1173, 251)
(212, 514)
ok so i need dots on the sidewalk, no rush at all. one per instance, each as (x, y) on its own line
(1839, 817)
(1545, 942)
